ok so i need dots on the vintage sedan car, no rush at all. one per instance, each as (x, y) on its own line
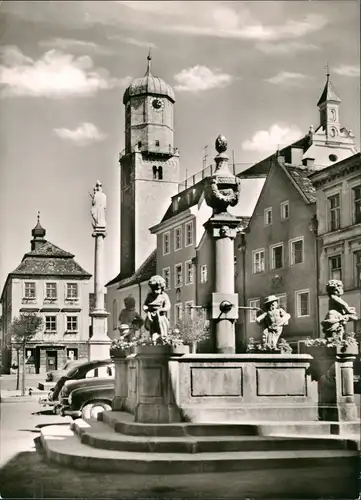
(87, 369)
(55, 375)
(86, 398)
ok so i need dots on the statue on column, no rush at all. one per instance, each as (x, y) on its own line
(273, 320)
(156, 306)
(339, 312)
(99, 205)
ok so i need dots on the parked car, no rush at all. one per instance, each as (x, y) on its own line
(87, 369)
(86, 398)
(55, 375)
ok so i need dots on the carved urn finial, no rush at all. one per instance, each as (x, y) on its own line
(222, 188)
(221, 144)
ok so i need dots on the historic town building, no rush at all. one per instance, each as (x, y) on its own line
(149, 171)
(338, 205)
(278, 252)
(48, 281)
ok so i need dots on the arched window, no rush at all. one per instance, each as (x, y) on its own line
(139, 144)
(155, 171)
(157, 143)
(115, 315)
(160, 173)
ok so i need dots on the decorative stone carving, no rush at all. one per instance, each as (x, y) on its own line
(339, 312)
(272, 320)
(222, 188)
(156, 306)
(99, 204)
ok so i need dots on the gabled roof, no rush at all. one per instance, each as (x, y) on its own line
(261, 168)
(302, 182)
(143, 273)
(298, 177)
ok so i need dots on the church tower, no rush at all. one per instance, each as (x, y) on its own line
(149, 166)
(328, 105)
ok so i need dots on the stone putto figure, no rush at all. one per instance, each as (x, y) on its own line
(156, 306)
(99, 205)
(339, 312)
(129, 316)
(273, 320)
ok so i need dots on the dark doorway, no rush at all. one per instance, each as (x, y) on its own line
(51, 360)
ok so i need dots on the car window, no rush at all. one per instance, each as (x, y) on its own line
(92, 373)
(101, 371)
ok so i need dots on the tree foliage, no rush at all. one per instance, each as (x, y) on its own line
(193, 328)
(25, 327)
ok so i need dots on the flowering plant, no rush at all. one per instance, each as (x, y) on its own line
(334, 341)
(283, 347)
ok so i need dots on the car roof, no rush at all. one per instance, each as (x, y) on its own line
(90, 364)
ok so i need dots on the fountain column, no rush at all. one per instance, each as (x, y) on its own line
(222, 191)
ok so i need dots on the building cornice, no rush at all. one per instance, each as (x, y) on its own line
(338, 171)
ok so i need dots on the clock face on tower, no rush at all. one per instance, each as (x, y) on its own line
(157, 104)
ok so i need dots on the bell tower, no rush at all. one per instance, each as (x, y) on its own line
(149, 166)
(328, 105)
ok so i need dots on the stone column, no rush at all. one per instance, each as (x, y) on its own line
(99, 343)
(222, 191)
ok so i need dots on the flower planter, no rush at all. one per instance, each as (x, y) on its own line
(119, 353)
(162, 350)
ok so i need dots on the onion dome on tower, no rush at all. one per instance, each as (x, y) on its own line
(38, 234)
(148, 85)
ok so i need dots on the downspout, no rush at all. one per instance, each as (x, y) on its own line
(242, 249)
(314, 226)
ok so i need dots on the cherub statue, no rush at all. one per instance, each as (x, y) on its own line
(99, 205)
(339, 312)
(129, 316)
(156, 306)
(273, 321)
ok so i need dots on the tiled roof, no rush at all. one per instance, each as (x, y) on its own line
(48, 250)
(262, 168)
(143, 273)
(300, 177)
(48, 259)
(186, 199)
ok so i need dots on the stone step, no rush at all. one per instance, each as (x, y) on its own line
(101, 435)
(124, 423)
(62, 446)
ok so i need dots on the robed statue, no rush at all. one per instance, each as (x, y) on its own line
(99, 205)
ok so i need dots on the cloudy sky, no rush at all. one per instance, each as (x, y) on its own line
(252, 71)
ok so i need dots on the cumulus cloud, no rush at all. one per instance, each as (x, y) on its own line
(86, 133)
(71, 43)
(290, 47)
(200, 78)
(232, 25)
(56, 74)
(287, 78)
(348, 70)
(269, 140)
